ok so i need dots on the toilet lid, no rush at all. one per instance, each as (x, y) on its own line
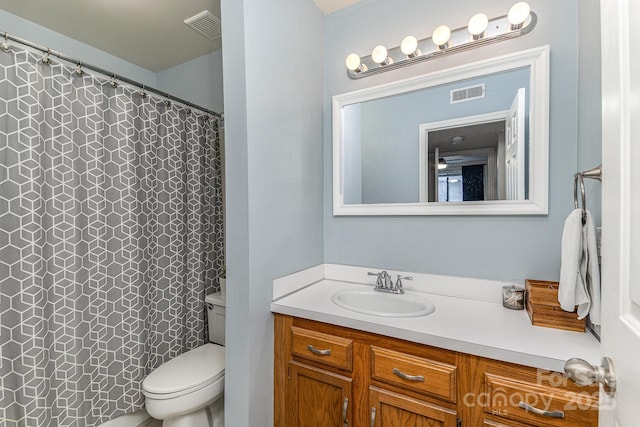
(193, 369)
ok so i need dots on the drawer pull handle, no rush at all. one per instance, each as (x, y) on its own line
(550, 414)
(344, 412)
(373, 417)
(417, 378)
(314, 350)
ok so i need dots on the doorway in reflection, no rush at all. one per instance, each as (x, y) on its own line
(470, 163)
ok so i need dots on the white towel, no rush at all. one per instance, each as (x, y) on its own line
(591, 271)
(579, 272)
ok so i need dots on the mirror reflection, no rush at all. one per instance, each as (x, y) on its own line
(464, 141)
(464, 162)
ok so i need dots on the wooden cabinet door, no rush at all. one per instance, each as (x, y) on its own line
(388, 409)
(502, 423)
(318, 398)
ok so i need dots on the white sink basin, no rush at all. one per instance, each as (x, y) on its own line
(384, 304)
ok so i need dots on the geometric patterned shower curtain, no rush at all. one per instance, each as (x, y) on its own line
(110, 237)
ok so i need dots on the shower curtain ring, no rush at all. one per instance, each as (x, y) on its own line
(142, 93)
(45, 59)
(167, 102)
(79, 72)
(113, 82)
(5, 45)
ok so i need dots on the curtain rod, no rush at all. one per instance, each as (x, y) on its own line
(81, 64)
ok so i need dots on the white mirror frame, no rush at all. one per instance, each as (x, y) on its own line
(537, 60)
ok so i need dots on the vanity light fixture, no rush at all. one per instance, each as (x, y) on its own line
(354, 64)
(519, 21)
(518, 14)
(379, 56)
(441, 36)
(477, 25)
(409, 47)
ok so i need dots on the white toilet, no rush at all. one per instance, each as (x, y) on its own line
(188, 391)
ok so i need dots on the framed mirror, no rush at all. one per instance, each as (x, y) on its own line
(470, 140)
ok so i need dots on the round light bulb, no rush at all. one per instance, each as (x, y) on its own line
(379, 54)
(441, 36)
(353, 62)
(409, 45)
(519, 13)
(478, 24)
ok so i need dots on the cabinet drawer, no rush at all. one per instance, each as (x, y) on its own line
(414, 373)
(539, 405)
(324, 348)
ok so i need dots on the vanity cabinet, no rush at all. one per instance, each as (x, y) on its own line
(327, 375)
(317, 397)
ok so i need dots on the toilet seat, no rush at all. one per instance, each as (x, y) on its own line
(187, 373)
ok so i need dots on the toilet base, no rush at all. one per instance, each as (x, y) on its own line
(211, 416)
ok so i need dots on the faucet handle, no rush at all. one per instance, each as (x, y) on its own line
(400, 279)
(383, 280)
(379, 282)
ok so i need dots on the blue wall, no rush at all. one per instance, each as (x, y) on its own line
(509, 247)
(199, 81)
(352, 154)
(273, 67)
(590, 102)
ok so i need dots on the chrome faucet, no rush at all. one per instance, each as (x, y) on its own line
(384, 283)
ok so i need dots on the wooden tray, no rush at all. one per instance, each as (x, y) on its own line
(543, 308)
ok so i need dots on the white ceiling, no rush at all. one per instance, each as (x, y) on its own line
(148, 33)
(329, 6)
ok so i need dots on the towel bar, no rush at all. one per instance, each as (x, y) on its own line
(595, 173)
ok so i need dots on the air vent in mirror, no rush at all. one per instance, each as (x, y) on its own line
(467, 93)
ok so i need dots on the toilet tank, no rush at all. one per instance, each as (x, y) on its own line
(216, 313)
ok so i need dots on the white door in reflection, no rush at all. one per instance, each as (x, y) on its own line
(515, 151)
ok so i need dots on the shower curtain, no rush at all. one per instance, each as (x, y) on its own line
(110, 237)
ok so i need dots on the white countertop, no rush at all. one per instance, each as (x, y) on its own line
(469, 325)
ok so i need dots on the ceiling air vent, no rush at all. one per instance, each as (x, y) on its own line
(206, 23)
(467, 93)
